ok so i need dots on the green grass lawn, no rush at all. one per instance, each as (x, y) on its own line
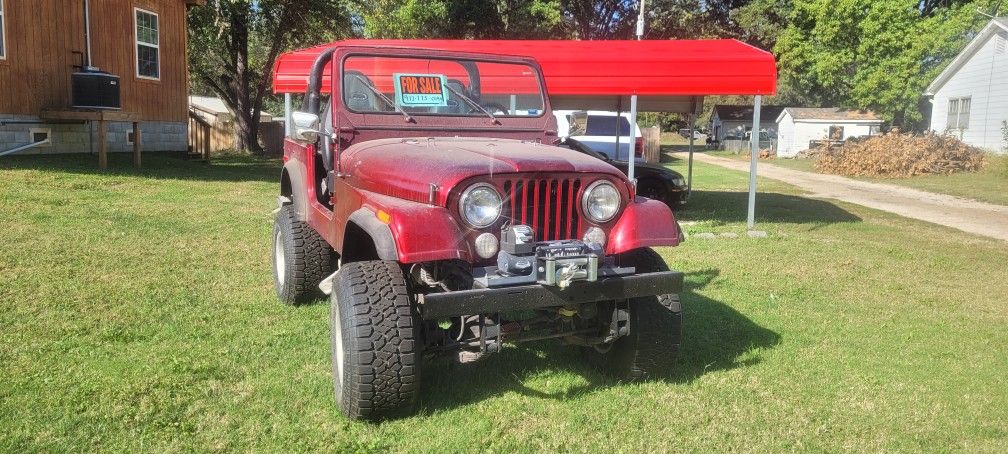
(987, 185)
(137, 314)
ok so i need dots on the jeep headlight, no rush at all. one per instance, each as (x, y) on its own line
(601, 201)
(480, 205)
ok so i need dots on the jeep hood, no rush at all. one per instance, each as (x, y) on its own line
(406, 168)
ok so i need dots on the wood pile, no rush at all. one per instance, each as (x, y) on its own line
(900, 155)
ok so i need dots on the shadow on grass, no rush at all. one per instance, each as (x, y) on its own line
(730, 207)
(715, 338)
(156, 165)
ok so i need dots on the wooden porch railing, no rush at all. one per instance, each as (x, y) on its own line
(199, 136)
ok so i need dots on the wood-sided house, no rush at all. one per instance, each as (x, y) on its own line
(140, 44)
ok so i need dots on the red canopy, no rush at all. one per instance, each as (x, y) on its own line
(597, 74)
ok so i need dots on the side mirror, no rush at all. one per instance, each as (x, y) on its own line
(306, 127)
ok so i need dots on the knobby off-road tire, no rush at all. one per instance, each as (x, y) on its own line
(652, 345)
(301, 258)
(374, 328)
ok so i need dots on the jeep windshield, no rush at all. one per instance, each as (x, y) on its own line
(413, 86)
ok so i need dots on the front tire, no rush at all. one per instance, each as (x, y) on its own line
(301, 258)
(651, 347)
(374, 328)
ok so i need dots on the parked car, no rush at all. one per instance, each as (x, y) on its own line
(596, 129)
(653, 181)
(443, 229)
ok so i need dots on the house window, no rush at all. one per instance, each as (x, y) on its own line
(958, 113)
(3, 33)
(148, 52)
(836, 133)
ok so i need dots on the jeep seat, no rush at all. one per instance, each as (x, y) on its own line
(455, 105)
(358, 97)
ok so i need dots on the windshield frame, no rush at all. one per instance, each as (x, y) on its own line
(474, 58)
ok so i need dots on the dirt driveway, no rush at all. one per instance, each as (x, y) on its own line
(956, 212)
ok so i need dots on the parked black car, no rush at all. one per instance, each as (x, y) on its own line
(653, 181)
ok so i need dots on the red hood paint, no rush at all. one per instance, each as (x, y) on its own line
(405, 168)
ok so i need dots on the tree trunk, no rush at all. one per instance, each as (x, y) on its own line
(246, 118)
(247, 133)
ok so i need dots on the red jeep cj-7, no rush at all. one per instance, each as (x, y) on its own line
(425, 197)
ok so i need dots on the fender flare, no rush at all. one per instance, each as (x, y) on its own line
(379, 232)
(644, 223)
(295, 171)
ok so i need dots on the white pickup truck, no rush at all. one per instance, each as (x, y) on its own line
(596, 129)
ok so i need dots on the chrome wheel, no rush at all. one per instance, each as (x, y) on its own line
(337, 339)
(278, 258)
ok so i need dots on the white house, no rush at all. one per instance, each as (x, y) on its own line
(970, 97)
(798, 126)
(734, 121)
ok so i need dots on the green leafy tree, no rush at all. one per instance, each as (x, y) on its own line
(865, 54)
(233, 45)
(460, 19)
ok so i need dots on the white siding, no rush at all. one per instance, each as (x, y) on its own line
(983, 78)
(795, 136)
(785, 136)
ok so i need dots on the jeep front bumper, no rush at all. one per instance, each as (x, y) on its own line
(535, 296)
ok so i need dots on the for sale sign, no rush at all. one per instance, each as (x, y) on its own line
(421, 90)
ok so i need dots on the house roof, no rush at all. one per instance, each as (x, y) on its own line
(995, 25)
(833, 114)
(729, 112)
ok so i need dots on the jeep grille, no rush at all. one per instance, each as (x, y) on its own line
(549, 205)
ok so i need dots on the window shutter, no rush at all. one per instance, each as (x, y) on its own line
(1000, 45)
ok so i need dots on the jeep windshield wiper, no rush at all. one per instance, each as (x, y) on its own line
(382, 96)
(473, 103)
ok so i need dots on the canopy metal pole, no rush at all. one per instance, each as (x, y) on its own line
(754, 141)
(633, 108)
(619, 115)
(288, 125)
(632, 143)
(689, 176)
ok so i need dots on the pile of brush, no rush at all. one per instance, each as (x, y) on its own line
(900, 155)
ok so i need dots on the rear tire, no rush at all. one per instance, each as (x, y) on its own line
(374, 328)
(301, 259)
(651, 347)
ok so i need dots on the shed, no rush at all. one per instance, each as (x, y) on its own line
(210, 118)
(797, 127)
(970, 97)
(140, 43)
(729, 121)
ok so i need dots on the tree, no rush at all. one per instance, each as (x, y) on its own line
(233, 45)
(760, 22)
(460, 19)
(877, 55)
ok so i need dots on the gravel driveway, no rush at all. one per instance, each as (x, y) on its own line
(964, 214)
